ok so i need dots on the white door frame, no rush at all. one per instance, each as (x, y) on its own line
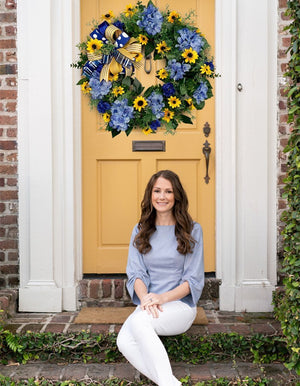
(49, 124)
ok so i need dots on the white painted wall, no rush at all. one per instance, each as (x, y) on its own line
(50, 155)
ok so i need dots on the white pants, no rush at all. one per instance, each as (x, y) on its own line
(138, 339)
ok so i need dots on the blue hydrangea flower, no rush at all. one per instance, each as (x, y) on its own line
(177, 69)
(201, 93)
(121, 114)
(151, 20)
(103, 107)
(154, 125)
(188, 39)
(155, 102)
(99, 89)
(168, 89)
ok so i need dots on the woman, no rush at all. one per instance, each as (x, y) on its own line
(165, 277)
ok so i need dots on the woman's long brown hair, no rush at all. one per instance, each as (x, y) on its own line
(183, 221)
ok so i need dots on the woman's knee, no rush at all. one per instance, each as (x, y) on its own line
(122, 341)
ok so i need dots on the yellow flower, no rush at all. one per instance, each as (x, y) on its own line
(129, 11)
(205, 69)
(85, 87)
(200, 33)
(173, 17)
(111, 77)
(108, 16)
(93, 45)
(190, 103)
(190, 55)
(118, 91)
(147, 131)
(174, 102)
(106, 117)
(138, 57)
(143, 39)
(163, 73)
(168, 115)
(162, 47)
(139, 103)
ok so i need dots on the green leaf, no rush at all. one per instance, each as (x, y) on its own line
(185, 119)
(81, 81)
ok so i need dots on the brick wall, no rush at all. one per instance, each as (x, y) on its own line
(8, 137)
(283, 127)
(9, 277)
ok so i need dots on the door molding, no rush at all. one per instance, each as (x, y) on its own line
(245, 239)
(50, 164)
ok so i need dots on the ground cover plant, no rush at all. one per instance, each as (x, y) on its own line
(86, 347)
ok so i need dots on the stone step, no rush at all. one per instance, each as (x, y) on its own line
(110, 290)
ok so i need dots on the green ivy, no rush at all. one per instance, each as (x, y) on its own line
(6, 381)
(87, 347)
(287, 303)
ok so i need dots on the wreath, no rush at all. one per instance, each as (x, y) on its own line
(117, 46)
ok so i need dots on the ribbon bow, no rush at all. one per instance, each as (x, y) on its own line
(123, 58)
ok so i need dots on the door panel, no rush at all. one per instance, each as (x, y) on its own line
(114, 177)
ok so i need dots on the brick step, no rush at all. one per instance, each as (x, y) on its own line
(276, 372)
(8, 303)
(111, 291)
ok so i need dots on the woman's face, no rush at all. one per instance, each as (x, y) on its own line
(163, 195)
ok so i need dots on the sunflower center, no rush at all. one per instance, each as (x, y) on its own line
(140, 103)
(94, 46)
(107, 15)
(190, 55)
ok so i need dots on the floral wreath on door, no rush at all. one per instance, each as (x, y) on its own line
(117, 46)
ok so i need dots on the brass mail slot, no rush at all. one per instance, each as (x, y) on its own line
(148, 145)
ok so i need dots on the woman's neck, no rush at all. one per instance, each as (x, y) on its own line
(164, 219)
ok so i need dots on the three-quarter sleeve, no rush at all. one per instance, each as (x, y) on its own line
(136, 268)
(193, 271)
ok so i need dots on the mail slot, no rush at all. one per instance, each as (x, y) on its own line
(148, 145)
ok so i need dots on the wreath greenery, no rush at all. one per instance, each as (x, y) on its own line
(115, 47)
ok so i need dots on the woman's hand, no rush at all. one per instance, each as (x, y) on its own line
(152, 303)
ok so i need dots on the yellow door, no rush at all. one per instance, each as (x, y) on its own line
(114, 176)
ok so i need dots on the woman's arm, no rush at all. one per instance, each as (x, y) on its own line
(175, 294)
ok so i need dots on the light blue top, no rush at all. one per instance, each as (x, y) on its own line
(164, 268)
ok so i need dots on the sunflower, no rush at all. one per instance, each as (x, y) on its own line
(173, 17)
(174, 102)
(168, 115)
(138, 57)
(147, 131)
(190, 103)
(190, 55)
(163, 73)
(93, 45)
(129, 11)
(106, 117)
(112, 77)
(118, 91)
(162, 47)
(143, 39)
(205, 69)
(139, 103)
(85, 87)
(108, 16)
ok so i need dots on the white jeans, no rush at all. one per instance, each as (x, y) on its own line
(138, 339)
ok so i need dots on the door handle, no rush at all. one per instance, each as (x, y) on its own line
(206, 151)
